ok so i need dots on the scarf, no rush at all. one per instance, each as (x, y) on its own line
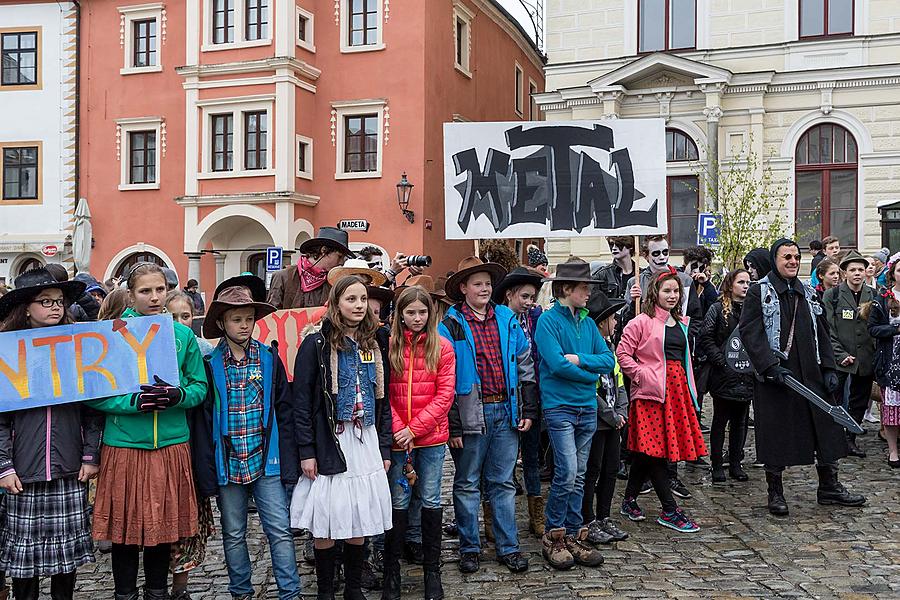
(311, 276)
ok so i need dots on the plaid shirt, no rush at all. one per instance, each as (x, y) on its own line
(245, 439)
(488, 358)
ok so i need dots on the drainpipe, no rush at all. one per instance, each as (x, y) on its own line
(77, 4)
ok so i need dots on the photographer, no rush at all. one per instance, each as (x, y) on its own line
(415, 264)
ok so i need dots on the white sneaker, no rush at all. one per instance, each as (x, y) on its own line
(870, 418)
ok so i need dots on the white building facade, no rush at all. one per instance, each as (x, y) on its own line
(37, 134)
(810, 86)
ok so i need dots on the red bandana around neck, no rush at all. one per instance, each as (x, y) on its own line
(311, 276)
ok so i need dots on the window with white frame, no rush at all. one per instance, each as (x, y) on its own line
(462, 37)
(359, 139)
(236, 140)
(361, 25)
(306, 29)
(236, 24)
(142, 29)
(520, 89)
(139, 153)
(533, 113)
(304, 157)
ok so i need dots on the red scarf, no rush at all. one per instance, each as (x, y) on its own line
(311, 276)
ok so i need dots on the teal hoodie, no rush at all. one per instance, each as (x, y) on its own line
(558, 333)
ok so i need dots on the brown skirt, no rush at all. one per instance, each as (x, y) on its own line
(145, 497)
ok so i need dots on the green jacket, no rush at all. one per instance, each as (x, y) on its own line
(126, 427)
(849, 331)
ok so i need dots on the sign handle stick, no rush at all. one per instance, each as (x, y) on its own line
(478, 248)
(637, 271)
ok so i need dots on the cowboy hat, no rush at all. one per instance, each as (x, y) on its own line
(852, 257)
(600, 306)
(573, 272)
(257, 286)
(426, 282)
(516, 277)
(331, 237)
(357, 266)
(31, 283)
(469, 266)
(238, 296)
(382, 294)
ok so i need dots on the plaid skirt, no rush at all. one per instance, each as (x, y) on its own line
(45, 529)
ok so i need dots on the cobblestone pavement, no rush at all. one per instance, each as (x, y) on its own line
(740, 552)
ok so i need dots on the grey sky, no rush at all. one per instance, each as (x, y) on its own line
(516, 9)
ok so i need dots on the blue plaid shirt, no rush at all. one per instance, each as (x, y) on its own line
(245, 437)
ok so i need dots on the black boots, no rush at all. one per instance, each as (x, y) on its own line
(393, 547)
(324, 573)
(777, 504)
(431, 548)
(852, 448)
(26, 588)
(162, 594)
(832, 492)
(354, 556)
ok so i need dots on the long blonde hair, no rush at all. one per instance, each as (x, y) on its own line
(365, 332)
(398, 330)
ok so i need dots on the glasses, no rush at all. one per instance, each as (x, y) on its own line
(790, 256)
(658, 253)
(50, 302)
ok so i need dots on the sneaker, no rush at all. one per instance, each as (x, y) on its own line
(679, 488)
(514, 561)
(555, 549)
(726, 458)
(583, 553)
(718, 474)
(631, 510)
(646, 488)
(469, 562)
(678, 521)
(623, 471)
(451, 529)
(598, 535)
(610, 527)
(870, 418)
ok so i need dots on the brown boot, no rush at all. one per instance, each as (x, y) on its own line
(582, 550)
(555, 551)
(488, 521)
(536, 515)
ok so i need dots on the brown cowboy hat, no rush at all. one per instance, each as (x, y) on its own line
(357, 266)
(237, 296)
(469, 266)
(426, 282)
(382, 294)
(573, 272)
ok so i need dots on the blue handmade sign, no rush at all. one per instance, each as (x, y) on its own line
(68, 363)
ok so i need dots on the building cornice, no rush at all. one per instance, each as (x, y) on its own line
(248, 198)
(252, 66)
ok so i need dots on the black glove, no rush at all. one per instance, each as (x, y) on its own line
(777, 373)
(832, 382)
(159, 396)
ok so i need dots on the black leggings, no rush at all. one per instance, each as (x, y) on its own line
(125, 567)
(732, 413)
(657, 469)
(600, 477)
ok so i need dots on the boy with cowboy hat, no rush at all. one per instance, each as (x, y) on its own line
(251, 419)
(573, 357)
(495, 400)
(305, 284)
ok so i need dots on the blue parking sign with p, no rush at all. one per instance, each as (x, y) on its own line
(708, 226)
(274, 258)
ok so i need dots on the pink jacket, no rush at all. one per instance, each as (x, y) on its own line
(420, 398)
(642, 356)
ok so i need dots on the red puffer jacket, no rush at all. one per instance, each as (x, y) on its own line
(421, 399)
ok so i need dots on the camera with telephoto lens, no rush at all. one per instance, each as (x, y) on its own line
(418, 261)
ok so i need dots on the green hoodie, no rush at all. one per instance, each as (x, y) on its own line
(127, 427)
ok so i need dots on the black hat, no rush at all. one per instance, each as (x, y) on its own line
(31, 283)
(257, 286)
(518, 276)
(600, 306)
(382, 294)
(576, 272)
(331, 237)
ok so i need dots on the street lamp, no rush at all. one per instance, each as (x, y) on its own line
(404, 190)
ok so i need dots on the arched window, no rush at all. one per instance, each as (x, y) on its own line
(256, 264)
(29, 264)
(138, 257)
(826, 184)
(682, 191)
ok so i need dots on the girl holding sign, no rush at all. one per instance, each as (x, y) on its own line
(146, 496)
(47, 455)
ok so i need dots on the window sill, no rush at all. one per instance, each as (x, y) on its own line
(305, 175)
(359, 175)
(306, 46)
(463, 70)
(138, 70)
(367, 48)
(130, 187)
(20, 201)
(236, 174)
(19, 87)
(235, 45)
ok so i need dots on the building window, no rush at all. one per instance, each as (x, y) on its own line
(679, 147)
(142, 155)
(667, 25)
(520, 85)
(823, 18)
(256, 264)
(361, 143)
(20, 58)
(363, 24)
(304, 157)
(29, 264)
(223, 21)
(255, 132)
(257, 19)
(826, 184)
(144, 43)
(21, 172)
(533, 114)
(222, 142)
(462, 37)
(682, 192)
(305, 29)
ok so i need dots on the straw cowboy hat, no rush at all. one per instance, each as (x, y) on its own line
(516, 277)
(469, 266)
(331, 237)
(357, 266)
(233, 296)
(31, 283)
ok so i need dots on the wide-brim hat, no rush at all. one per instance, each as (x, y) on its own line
(237, 296)
(331, 237)
(852, 257)
(573, 272)
(426, 282)
(516, 277)
(382, 294)
(469, 266)
(600, 306)
(357, 266)
(257, 286)
(31, 283)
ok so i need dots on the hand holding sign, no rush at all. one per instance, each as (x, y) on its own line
(159, 396)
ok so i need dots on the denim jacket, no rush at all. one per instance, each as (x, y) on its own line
(351, 366)
(771, 310)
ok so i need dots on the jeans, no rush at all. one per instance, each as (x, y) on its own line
(531, 458)
(600, 477)
(272, 507)
(414, 520)
(492, 455)
(429, 466)
(571, 431)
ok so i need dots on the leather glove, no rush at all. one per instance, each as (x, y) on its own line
(159, 396)
(777, 373)
(832, 382)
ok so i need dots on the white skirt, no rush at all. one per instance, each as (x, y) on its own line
(353, 504)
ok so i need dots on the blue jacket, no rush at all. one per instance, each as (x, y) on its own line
(559, 332)
(467, 413)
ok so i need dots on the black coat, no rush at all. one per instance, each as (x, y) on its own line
(883, 333)
(723, 383)
(789, 431)
(314, 406)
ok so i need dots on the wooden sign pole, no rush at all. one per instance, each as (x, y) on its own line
(637, 272)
